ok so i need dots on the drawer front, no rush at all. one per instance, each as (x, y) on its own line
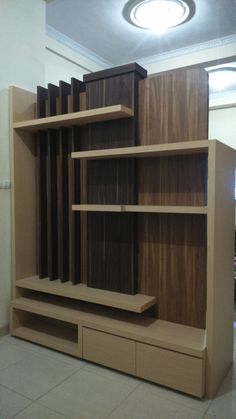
(172, 369)
(109, 350)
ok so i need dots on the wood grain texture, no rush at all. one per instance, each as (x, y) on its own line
(172, 265)
(62, 187)
(112, 252)
(173, 107)
(175, 180)
(41, 163)
(74, 182)
(109, 350)
(114, 185)
(171, 369)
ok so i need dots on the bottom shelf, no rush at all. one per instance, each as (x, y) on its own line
(44, 331)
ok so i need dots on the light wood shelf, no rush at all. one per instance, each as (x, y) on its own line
(172, 336)
(136, 303)
(48, 335)
(171, 149)
(162, 209)
(106, 113)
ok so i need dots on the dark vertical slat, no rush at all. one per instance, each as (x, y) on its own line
(42, 95)
(74, 187)
(112, 182)
(52, 149)
(62, 188)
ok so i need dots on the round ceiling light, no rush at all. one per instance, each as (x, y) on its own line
(222, 78)
(158, 15)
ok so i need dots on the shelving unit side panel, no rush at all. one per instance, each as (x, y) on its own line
(173, 107)
(23, 189)
(220, 283)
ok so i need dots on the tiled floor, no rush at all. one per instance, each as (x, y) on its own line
(37, 383)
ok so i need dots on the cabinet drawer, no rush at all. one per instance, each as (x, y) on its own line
(109, 350)
(172, 369)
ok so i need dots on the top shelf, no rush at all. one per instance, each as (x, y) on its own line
(106, 113)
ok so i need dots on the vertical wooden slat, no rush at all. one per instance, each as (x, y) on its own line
(41, 147)
(52, 147)
(62, 188)
(74, 188)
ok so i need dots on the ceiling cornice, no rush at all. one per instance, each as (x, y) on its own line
(75, 46)
(219, 42)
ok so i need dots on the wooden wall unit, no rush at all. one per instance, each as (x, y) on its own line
(180, 253)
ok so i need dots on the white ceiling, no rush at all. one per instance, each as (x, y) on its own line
(98, 25)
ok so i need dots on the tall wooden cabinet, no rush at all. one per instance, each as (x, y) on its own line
(122, 237)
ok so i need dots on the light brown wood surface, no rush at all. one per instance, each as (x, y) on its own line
(136, 303)
(176, 337)
(23, 188)
(172, 149)
(169, 209)
(109, 350)
(75, 118)
(220, 284)
(171, 369)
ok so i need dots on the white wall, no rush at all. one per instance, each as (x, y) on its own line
(222, 125)
(22, 34)
(62, 63)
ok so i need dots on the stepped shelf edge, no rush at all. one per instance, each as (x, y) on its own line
(172, 336)
(136, 303)
(76, 118)
(184, 147)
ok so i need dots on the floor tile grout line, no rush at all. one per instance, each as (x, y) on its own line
(128, 395)
(16, 392)
(22, 410)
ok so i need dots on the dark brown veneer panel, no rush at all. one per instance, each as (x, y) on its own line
(172, 265)
(112, 182)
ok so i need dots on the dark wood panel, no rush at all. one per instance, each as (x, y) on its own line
(62, 188)
(111, 252)
(41, 153)
(172, 265)
(77, 87)
(115, 71)
(112, 182)
(52, 151)
(175, 180)
(174, 107)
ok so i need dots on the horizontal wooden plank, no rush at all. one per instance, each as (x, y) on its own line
(98, 208)
(167, 209)
(136, 303)
(172, 336)
(53, 337)
(76, 118)
(171, 149)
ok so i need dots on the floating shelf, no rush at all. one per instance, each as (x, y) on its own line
(171, 149)
(172, 336)
(106, 113)
(137, 303)
(162, 209)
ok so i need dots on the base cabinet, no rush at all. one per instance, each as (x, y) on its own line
(172, 369)
(109, 350)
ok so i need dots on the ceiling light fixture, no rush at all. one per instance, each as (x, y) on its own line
(158, 15)
(222, 78)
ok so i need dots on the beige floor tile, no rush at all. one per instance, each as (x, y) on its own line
(36, 411)
(35, 375)
(188, 401)
(142, 404)
(112, 374)
(11, 403)
(224, 404)
(86, 396)
(10, 354)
